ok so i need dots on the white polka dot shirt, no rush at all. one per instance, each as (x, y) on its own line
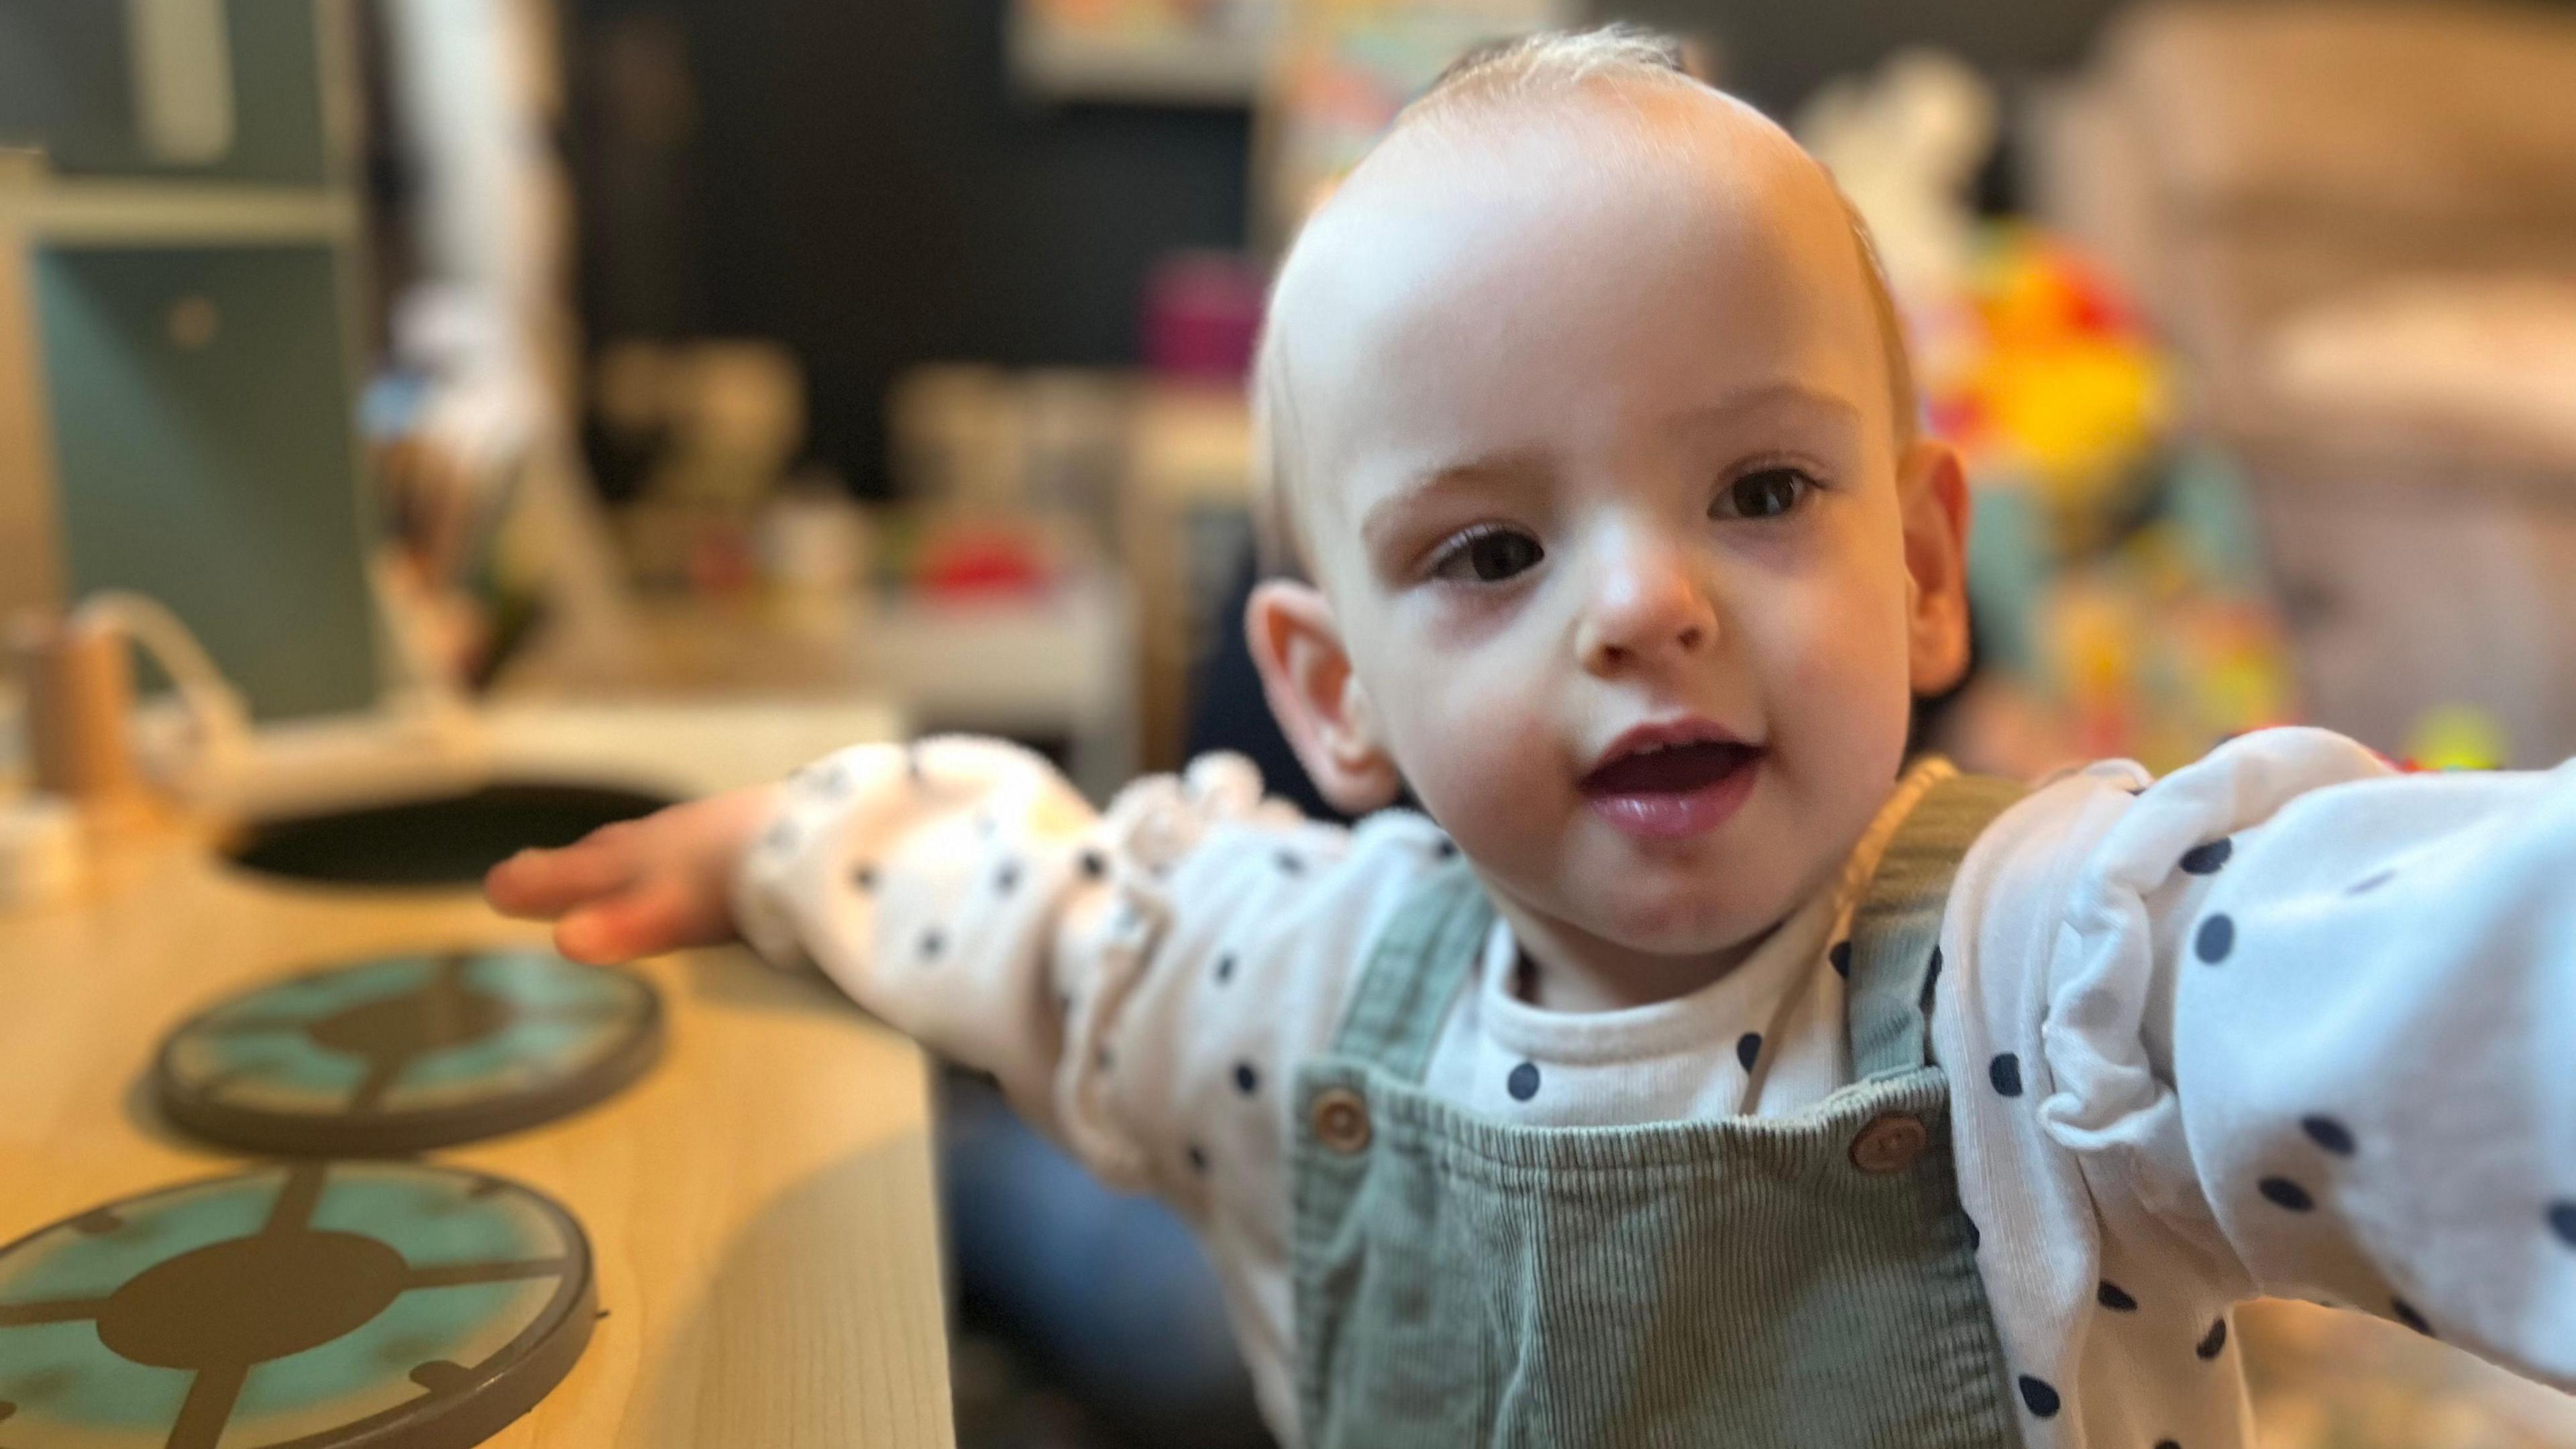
(2283, 1023)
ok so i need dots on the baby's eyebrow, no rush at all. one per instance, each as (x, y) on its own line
(1794, 399)
(1518, 465)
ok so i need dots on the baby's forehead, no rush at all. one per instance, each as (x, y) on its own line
(1568, 178)
(1505, 216)
(1649, 128)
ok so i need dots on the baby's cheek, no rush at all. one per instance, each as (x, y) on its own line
(1482, 761)
(1839, 702)
(1840, 659)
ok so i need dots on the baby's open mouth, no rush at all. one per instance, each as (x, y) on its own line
(1674, 791)
(1669, 769)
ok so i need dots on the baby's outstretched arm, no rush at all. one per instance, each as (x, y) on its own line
(2309, 1029)
(1138, 979)
(2376, 1056)
(640, 887)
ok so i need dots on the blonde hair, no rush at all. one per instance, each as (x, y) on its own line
(1546, 66)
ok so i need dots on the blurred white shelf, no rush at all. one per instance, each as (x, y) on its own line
(111, 213)
(48, 209)
(1059, 665)
(1023, 662)
(682, 747)
(1065, 65)
(679, 748)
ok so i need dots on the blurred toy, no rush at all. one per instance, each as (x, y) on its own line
(716, 426)
(2120, 603)
(964, 560)
(2045, 378)
(454, 429)
(2457, 737)
(2153, 639)
(1010, 479)
(1201, 316)
(2118, 588)
(2026, 356)
(1905, 144)
(736, 414)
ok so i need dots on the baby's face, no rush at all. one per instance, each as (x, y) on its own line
(1603, 490)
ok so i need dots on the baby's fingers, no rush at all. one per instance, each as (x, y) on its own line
(645, 921)
(543, 884)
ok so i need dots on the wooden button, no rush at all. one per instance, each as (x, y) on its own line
(1341, 1119)
(1890, 1143)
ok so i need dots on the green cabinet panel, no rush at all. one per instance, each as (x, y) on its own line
(67, 87)
(205, 453)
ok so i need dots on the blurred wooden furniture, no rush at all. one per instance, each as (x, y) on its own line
(759, 1205)
(1184, 524)
(2357, 223)
(2326, 1378)
(2240, 166)
(27, 516)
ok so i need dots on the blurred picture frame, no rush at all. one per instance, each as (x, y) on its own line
(1339, 73)
(1143, 52)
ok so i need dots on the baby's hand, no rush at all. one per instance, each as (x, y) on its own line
(641, 886)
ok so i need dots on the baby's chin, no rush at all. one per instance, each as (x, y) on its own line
(1689, 929)
(1705, 904)
(1663, 907)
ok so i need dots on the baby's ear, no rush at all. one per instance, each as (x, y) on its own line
(1316, 696)
(1933, 491)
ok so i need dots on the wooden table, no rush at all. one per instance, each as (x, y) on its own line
(759, 1206)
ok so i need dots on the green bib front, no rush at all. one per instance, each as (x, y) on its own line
(1806, 1280)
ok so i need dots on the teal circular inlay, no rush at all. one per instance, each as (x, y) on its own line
(408, 1052)
(327, 1302)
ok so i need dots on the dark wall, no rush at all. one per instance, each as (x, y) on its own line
(871, 191)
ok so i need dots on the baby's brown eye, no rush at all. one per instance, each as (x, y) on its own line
(1766, 494)
(1490, 557)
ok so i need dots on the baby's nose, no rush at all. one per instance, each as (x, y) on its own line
(1647, 606)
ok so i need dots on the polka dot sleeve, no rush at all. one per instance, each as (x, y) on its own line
(963, 891)
(2321, 1018)
(924, 879)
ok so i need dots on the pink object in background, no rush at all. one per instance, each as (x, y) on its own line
(1202, 316)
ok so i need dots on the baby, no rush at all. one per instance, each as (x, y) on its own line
(1710, 1072)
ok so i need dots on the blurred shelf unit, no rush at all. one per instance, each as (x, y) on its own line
(48, 210)
(1055, 667)
(1155, 470)
(181, 237)
(1071, 63)
(1186, 532)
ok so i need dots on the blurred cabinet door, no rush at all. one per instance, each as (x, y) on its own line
(205, 453)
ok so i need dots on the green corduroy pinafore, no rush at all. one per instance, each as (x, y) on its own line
(1807, 1280)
